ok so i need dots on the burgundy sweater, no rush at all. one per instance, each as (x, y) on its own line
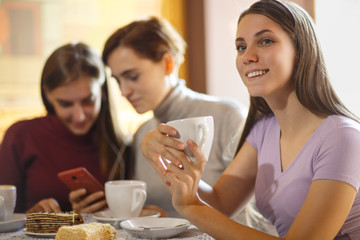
(34, 151)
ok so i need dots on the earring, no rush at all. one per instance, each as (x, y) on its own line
(170, 65)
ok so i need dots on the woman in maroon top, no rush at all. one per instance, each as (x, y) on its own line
(76, 132)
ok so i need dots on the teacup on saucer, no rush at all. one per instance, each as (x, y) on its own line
(107, 217)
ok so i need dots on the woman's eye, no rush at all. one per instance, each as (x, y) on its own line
(65, 104)
(132, 77)
(89, 101)
(266, 41)
(241, 48)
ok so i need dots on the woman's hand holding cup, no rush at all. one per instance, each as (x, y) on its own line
(156, 144)
(159, 144)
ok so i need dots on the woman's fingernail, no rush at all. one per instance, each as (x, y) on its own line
(178, 163)
(181, 145)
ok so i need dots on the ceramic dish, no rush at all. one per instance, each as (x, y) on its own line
(106, 217)
(17, 222)
(155, 227)
(40, 235)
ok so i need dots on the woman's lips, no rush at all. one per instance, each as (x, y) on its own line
(79, 125)
(134, 102)
(256, 73)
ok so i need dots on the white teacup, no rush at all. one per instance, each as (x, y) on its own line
(7, 202)
(125, 198)
(198, 129)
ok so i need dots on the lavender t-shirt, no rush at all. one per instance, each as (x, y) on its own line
(332, 152)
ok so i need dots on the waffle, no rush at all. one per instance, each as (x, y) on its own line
(45, 222)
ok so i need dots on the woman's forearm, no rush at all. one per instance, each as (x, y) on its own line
(220, 226)
(208, 195)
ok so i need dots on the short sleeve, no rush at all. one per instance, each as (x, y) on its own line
(339, 156)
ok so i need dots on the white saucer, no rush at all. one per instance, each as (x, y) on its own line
(17, 221)
(106, 216)
(155, 227)
(40, 235)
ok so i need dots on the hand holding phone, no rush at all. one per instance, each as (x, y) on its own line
(80, 178)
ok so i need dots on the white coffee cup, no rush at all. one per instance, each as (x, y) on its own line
(125, 198)
(198, 129)
(7, 202)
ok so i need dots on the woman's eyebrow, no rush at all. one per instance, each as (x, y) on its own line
(262, 32)
(259, 33)
(67, 101)
(124, 73)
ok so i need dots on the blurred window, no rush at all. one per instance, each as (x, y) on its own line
(31, 29)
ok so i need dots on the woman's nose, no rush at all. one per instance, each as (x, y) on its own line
(78, 113)
(250, 56)
(125, 89)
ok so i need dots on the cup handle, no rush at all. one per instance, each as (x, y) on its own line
(202, 136)
(140, 196)
(2, 201)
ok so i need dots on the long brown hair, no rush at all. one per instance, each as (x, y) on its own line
(310, 77)
(67, 63)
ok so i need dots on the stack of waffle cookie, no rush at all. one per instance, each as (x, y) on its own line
(45, 222)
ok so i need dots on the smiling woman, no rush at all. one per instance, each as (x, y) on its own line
(77, 103)
(256, 36)
(77, 131)
(299, 149)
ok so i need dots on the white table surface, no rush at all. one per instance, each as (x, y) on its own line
(191, 233)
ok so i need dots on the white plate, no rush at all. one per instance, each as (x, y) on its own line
(40, 235)
(17, 221)
(155, 227)
(106, 216)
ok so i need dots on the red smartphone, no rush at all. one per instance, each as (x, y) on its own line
(80, 178)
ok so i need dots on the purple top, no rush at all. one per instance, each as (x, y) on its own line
(332, 152)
